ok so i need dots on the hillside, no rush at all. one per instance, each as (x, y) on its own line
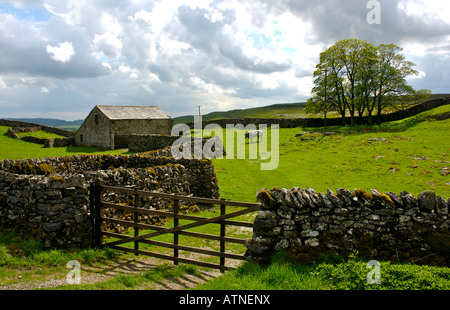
(281, 110)
(407, 155)
(49, 121)
(52, 122)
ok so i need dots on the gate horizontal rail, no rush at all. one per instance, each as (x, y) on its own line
(98, 205)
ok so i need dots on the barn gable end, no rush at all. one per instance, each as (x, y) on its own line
(110, 126)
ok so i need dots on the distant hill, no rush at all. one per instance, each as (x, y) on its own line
(280, 110)
(52, 122)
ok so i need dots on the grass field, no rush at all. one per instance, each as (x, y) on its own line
(410, 155)
(17, 149)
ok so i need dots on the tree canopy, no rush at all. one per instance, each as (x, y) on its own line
(356, 77)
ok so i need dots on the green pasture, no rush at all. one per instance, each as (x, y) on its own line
(411, 155)
(11, 148)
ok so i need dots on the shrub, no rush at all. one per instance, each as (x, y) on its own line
(352, 275)
(5, 257)
(31, 246)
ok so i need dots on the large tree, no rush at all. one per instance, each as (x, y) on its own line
(359, 78)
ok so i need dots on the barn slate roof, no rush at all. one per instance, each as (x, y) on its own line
(132, 112)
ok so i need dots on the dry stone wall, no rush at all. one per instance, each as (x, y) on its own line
(49, 199)
(307, 224)
(145, 143)
(337, 121)
(14, 124)
(49, 142)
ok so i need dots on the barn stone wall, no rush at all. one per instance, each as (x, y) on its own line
(99, 131)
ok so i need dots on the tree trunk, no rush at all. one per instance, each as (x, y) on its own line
(379, 111)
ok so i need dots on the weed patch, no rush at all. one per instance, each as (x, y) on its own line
(330, 273)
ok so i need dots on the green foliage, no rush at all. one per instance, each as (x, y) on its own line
(356, 77)
(18, 251)
(329, 272)
(88, 256)
(352, 275)
(31, 246)
(51, 257)
(165, 271)
(281, 274)
(40, 134)
(5, 257)
(128, 281)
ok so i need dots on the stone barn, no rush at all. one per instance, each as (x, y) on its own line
(111, 126)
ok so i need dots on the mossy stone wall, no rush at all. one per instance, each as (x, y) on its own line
(383, 226)
(48, 199)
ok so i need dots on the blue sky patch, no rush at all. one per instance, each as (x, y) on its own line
(30, 13)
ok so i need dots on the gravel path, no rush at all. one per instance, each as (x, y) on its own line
(101, 273)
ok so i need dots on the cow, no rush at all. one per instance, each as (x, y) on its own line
(258, 134)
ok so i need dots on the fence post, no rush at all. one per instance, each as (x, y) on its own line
(222, 236)
(136, 220)
(176, 208)
(98, 212)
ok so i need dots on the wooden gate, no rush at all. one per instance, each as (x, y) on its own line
(98, 206)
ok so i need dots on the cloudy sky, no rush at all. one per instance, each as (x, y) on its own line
(59, 58)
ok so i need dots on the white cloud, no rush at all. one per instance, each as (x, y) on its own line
(143, 15)
(111, 24)
(222, 54)
(3, 83)
(107, 45)
(62, 53)
(429, 9)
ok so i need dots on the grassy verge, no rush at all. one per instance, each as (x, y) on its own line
(330, 273)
